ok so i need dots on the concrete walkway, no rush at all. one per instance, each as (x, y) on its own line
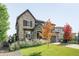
(15, 53)
(76, 46)
(57, 43)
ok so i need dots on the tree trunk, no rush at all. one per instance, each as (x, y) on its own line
(48, 42)
(1, 44)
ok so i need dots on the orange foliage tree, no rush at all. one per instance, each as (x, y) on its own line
(47, 31)
(67, 33)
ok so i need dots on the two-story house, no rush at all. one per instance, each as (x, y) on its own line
(28, 27)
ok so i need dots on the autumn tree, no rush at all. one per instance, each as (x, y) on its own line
(67, 33)
(47, 31)
(4, 24)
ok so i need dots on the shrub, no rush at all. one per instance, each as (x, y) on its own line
(31, 43)
(23, 44)
(72, 42)
(38, 42)
(14, 46)
(43, 41)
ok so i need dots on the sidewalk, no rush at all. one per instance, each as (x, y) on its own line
(15, 53)
(76, 46)
(57, 43)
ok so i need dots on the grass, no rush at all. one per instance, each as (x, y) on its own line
(52, 50)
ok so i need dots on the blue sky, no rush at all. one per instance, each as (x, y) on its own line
(60, 14)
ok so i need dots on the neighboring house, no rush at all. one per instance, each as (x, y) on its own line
(58, 34)
(28, 27)
(74, 36)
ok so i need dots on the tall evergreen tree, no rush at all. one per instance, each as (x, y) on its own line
(4, 24)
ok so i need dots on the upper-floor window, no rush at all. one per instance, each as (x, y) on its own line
(27, 23)
(24, 22)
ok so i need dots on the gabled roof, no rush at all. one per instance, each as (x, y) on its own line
(38, 22)
(23, 13)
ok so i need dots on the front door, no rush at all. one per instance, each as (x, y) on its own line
(28, 35)
(38, 35)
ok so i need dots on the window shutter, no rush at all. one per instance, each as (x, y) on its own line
(30, 23)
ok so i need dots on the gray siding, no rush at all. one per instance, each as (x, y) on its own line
(26, 16)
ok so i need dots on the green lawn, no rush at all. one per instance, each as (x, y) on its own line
(52, 50)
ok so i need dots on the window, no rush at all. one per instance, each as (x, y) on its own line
(24, 23)
(27, 23)
(28, 35)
